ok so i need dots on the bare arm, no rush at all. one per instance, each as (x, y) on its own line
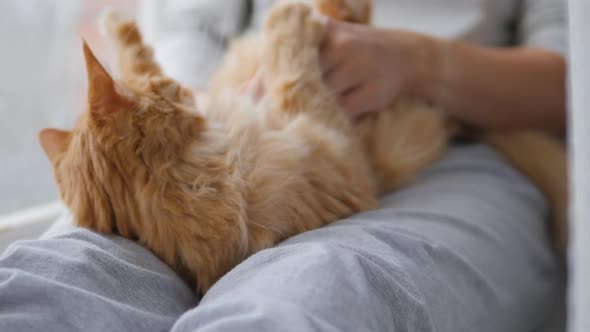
(496, 88)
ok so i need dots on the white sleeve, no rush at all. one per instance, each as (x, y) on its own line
(544, 24)
(190, 36)
(259, 10)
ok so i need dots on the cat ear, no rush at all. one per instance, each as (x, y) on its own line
(54, 142)
(102, 94)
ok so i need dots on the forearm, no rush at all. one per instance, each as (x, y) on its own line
(494, 88)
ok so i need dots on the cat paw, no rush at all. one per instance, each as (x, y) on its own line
(355, 11)
(294, 22)
(109, 22)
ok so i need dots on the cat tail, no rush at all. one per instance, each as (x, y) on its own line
(135, 58)
(543, 159)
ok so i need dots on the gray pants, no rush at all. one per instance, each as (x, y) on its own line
(463, 249)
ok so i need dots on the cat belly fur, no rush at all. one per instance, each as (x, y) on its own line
(299, 173)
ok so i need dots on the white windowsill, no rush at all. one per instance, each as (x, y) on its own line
(28, 223)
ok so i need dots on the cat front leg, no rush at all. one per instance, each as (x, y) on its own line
(293, 77)
(137, 65)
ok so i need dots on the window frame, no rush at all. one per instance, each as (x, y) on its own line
(28, 223)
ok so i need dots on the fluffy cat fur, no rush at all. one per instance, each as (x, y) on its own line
(204, 189)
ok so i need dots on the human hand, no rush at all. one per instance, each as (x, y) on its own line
(368, 68)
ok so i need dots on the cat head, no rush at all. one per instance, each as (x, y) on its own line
(120, 149)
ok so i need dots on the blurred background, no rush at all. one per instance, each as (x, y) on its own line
(42, 84)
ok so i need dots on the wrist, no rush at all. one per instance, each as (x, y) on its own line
(425, 65)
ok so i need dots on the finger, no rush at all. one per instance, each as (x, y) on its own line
(355, 101)
(340, 80)
(329, 55)
(328, 30)
(328, 61)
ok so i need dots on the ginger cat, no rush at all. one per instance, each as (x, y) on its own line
(204, 189)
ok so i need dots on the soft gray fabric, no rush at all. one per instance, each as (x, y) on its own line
(464, 249)
(77, 280)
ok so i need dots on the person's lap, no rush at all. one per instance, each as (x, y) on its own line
(73, 279)
(463, 249)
